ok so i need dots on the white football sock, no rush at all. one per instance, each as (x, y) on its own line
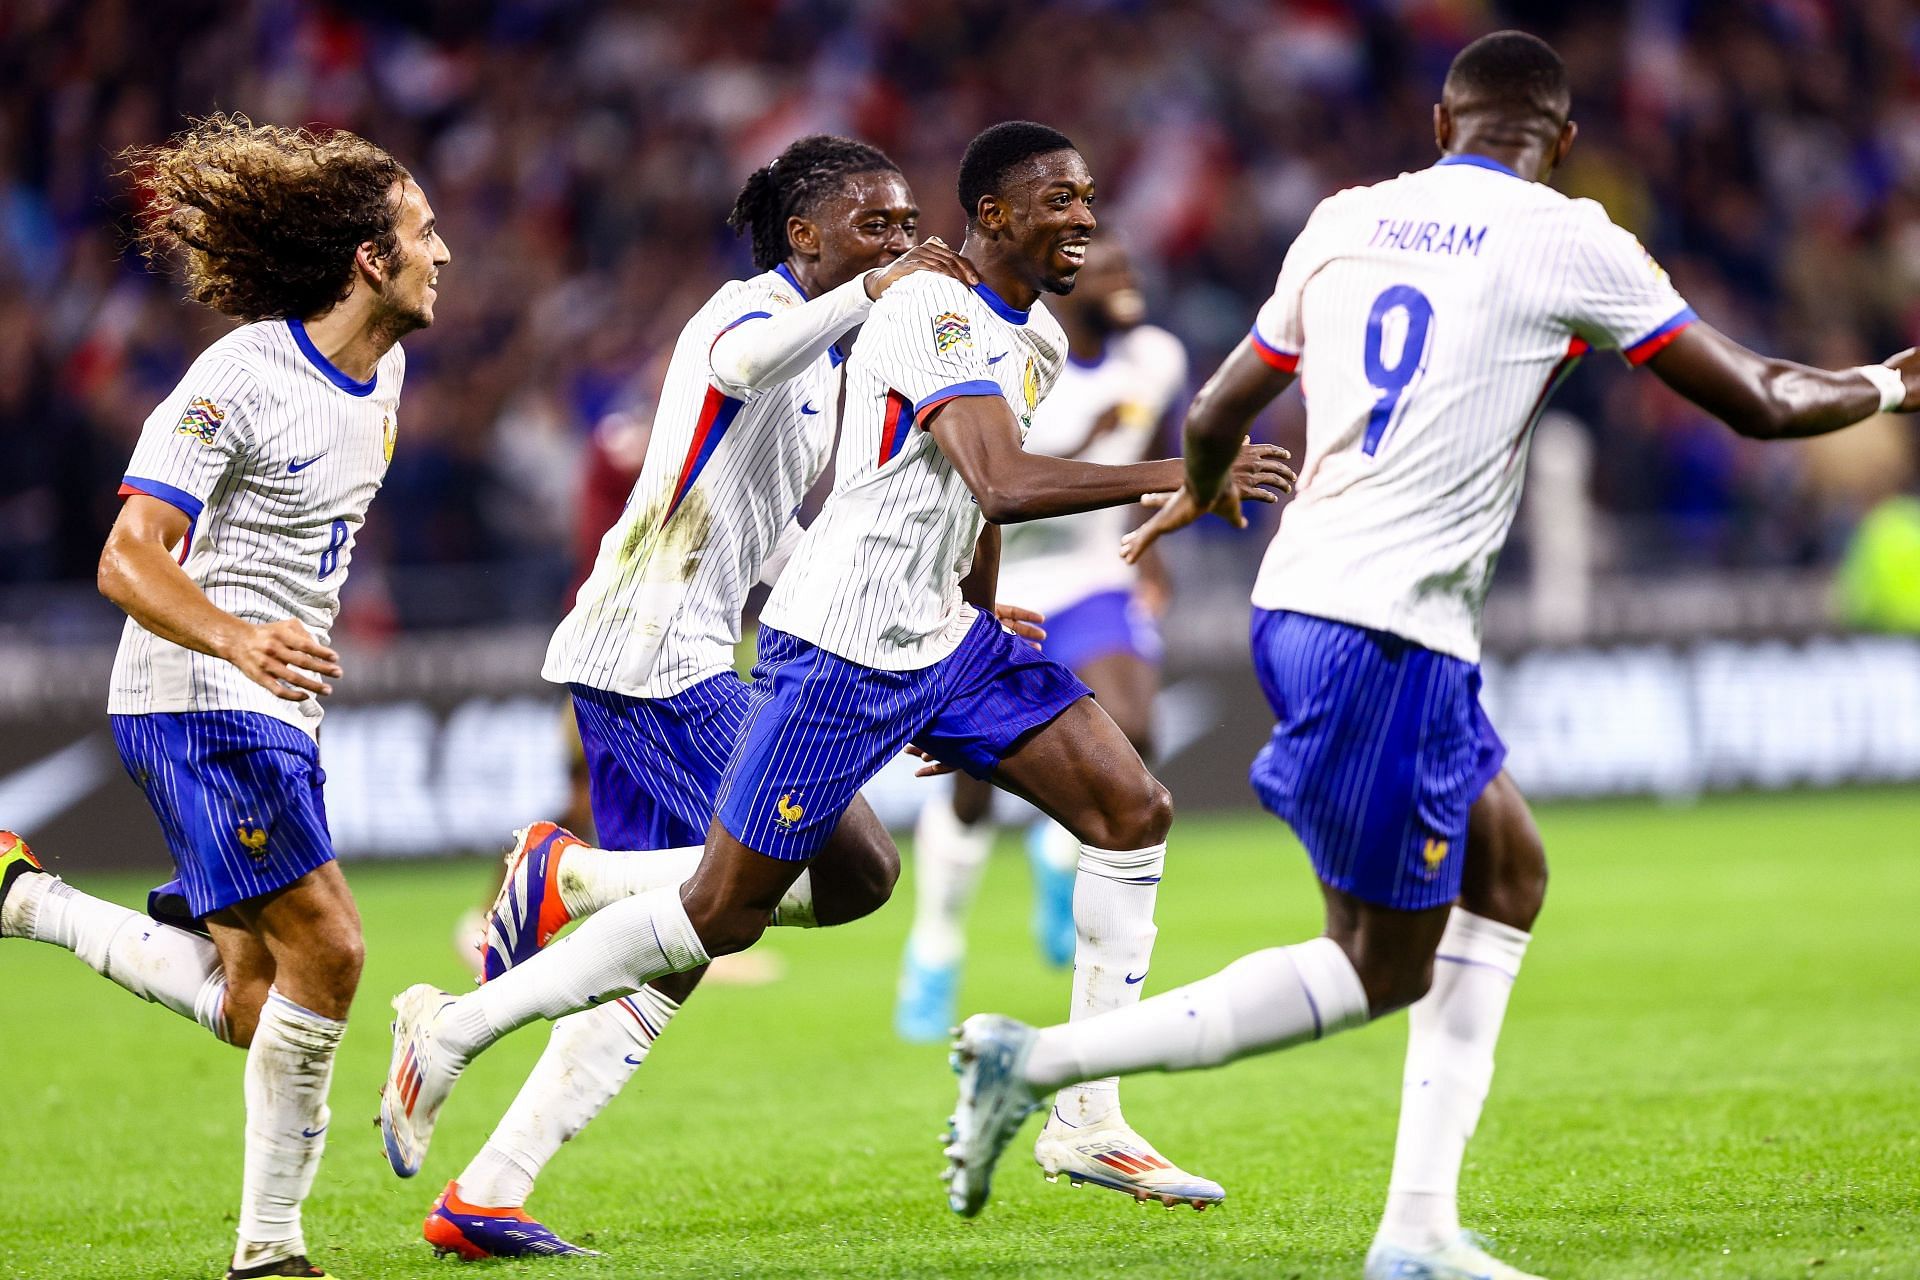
(1268, 1000)
(289, 1066)
(619, 950)
(589, 1058)
(948, 857)
(1451, 1033)
(593, 879)
(1113, 897)
(171, 967)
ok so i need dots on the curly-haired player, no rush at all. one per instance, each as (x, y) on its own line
(242, 500)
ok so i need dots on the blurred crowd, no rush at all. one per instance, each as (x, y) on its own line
(582, 155)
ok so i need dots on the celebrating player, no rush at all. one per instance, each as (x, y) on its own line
(242, 501)
(880, 634)
(745, 421)
(1120, 378)
(1431, 317)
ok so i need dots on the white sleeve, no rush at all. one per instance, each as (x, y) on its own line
(776, 562)
(762, 349)
(1279, 335)
(925, 345)
(1618, 297)
(194, 436)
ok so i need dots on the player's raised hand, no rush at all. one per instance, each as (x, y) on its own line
(284, 659)
(1260, 474)
(931, 254)
(932, 768)
(1024, 623)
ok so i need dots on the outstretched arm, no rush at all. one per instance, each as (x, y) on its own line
(981, 438)
(766, 350)
(1770, 399)
(1247, 382)
(138, 573)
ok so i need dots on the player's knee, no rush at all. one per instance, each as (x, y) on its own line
(1394, 986)
(871, 882)
(1154, 817)
(242, 1010)
(337, 961)
(723, 930)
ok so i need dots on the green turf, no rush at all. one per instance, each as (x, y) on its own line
(1710, 1070)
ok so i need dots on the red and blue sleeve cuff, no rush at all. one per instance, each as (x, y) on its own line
(167, 493)
(1648, 347)
(1285, 361)
(977, 387)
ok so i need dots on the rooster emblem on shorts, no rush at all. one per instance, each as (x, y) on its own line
(254, 838)
(788, 812)
(1435, 853)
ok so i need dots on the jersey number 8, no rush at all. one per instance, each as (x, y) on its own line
(330, 558)
(1392, 380)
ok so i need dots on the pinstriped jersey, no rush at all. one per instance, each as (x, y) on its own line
(1430, 317)
(877, 578)
(1106, 411)
(274, 455)
(725, 471)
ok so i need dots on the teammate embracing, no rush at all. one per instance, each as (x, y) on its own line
(745, 421)
(1430, 317)
(243, 497)
(880, 634)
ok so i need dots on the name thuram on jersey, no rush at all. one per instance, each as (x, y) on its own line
(1430, 318)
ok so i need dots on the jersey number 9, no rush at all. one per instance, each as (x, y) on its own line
(1392, 380)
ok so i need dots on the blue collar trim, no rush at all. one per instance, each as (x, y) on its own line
(1478, 162)
(326, 366)
(1001, 307)
(781, 270)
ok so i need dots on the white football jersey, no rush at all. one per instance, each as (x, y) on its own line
(1104, 411)
(723, 476)
(274, 454)
(877, 578)
(1430, 317)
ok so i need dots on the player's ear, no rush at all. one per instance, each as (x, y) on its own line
(990, 215)
(1564, 143)
(804, 236)
(1442, 127)
(368, 261)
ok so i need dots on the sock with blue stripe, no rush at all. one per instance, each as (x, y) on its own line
(289, 1069)
(1451, 1033)
(1268, 1000)
(589, 1058)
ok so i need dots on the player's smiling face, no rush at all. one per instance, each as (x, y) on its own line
(1049, 205)
(413, 270)
(869, 223)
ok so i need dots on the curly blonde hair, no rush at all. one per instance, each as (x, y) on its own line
(264, 219)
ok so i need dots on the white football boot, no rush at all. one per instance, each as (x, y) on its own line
(420, 1075)
(1108, 1153)
(1463, 1258)
(988, 1054)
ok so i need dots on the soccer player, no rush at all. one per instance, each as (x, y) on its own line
(242, 501)
(880, 634)
(1431, 317)
(1121, 377)
(744, 425)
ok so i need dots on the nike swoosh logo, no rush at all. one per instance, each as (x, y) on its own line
(997, 359)
(633, 1061)
(1131, 980)
(313, 1133)
(295, 468)
(808, 408)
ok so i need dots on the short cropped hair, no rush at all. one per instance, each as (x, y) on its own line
(264, 219)
(998, 150)
(1512, 70)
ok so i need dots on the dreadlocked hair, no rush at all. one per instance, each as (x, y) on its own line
(792, 185)
(264, 220)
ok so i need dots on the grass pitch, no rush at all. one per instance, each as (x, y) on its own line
(1709, 1071)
